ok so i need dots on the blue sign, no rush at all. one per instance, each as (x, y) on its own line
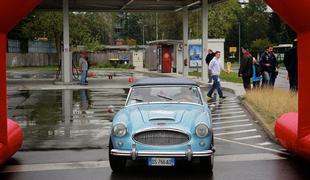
(195, 55)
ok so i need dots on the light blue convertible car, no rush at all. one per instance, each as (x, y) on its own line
(165, 120)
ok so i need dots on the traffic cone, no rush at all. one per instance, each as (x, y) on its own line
(130, 79)
(92, 74)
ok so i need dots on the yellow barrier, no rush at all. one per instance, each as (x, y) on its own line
(228, 67)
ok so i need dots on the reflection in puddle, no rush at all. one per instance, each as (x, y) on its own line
(63, 119)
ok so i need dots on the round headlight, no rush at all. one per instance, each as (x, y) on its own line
(119, 130)
(202, 130)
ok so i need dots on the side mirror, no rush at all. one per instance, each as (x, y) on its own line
(111, 109)
(212, 107)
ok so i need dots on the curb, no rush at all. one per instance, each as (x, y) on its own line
(256, 116)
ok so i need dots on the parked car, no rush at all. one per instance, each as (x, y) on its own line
(165, 120)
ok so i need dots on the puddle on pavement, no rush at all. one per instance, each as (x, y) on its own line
(65, 119)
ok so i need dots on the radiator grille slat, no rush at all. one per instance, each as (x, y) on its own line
(161, 137)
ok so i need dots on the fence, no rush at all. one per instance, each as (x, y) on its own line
(30, 59)
(45, 59)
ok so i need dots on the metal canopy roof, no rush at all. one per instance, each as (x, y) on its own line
(124, 5)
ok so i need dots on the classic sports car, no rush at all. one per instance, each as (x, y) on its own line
(164, 120)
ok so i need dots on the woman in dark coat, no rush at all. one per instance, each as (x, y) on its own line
(246, 69)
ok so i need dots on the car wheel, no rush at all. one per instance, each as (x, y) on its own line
(117, 163)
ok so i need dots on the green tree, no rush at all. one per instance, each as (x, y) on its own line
(254, 21)
(259, 45)
(222, 18)
(279, 32)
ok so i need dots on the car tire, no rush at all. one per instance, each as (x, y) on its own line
(117, 163)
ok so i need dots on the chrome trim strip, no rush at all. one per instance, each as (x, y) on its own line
(205, 153)
(161, 102)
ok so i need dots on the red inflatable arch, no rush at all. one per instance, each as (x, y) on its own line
(292, 129)
(11, 12)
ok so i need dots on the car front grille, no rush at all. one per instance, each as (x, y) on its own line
(161, 137)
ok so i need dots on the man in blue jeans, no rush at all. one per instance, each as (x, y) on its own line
(215, 67)
(83, 67)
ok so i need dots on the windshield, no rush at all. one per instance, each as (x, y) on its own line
(189, 94)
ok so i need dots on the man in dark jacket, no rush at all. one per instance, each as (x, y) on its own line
(291, 64)
(209, 57)
(246, 69)
(269, 66)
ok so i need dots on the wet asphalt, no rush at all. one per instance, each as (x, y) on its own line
(66, 135)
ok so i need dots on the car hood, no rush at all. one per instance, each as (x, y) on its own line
(164, 113)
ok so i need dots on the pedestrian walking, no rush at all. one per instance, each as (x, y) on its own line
(291, 64)
(209, 57)
(215, 66)
(256, 74)
(83, 68)
(246, 68)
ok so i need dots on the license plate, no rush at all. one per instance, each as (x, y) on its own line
(161, 161)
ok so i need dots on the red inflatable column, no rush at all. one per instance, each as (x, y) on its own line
(3, 99)
(304, 82)
(11, 12)
(292, 130)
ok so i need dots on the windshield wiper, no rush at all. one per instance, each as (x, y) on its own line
(165, 97)
(137, 99)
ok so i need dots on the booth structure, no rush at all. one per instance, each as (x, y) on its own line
(292, 130)
(166, 56)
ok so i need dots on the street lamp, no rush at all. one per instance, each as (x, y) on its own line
(143, 26)
(143, 34)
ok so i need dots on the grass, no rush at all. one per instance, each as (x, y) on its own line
(109, 65)
(272, 103)
(231, 77)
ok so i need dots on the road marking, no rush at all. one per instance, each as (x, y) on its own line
(248, 137)
(234, 126)
(228, 122)
(55, 166)
(263, 144)
(248, 157)
(231, 117)
(250, 145)
(235, 132)
(229, 113)
(226, 104)
(228, 109)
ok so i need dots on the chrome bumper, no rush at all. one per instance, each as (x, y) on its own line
(187, 154)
